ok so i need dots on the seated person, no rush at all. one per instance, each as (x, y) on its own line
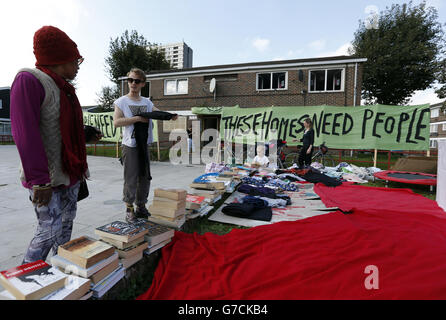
(260, 158)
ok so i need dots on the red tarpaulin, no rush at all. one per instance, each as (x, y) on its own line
(322, 257)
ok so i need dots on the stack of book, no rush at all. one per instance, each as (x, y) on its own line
(225, 176)
(196, 206)
(168, 207)
(211, 196)
(90, 259)
(126, 238)
(40, 281)
(210, 185)
(157, 235)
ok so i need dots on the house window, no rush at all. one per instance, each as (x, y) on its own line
(434, 128)
(145, 91)
(176, 86)
(179, 124)
(326, 80)
(444, 126)
(435, 113)
(272, 81)
(433, 144)
(1, 104)
(5, 128)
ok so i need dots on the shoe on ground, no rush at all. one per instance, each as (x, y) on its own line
(142, 212)
(130, 215)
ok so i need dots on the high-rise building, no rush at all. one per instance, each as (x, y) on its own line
(178, 54)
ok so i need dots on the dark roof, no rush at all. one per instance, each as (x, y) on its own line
(277, 62)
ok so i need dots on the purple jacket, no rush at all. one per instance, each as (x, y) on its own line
(27, 95)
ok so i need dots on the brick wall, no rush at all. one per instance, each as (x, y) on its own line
(243, 92)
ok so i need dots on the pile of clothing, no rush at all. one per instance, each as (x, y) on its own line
(260, 193)
(266, 190)
(310, 175)
(348, 172)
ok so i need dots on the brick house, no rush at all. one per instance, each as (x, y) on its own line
(437, 123)
(302, 82)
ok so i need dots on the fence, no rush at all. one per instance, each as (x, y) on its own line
(115, 150)
(6, 139)
(362, 157)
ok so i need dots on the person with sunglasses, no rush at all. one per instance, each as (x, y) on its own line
(47, 126)
(127, 114)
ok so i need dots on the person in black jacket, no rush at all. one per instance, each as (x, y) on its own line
(306, 152)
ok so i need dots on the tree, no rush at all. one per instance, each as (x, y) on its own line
(128, 51)
(441, 78)
(107, 97)
(404, 51)
(133, 50)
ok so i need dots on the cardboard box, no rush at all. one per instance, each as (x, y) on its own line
(416, 164)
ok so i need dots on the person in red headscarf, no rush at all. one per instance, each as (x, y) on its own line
(47, 126)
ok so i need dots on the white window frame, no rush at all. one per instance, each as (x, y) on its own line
(271, 89)
(433, 144)
(435, 113)
(176, 85)
(326, 73)
(434, 128)
(444, 126)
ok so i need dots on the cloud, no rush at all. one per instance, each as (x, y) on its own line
(21, 19)
(425, 96)
(437, 4)
(261, 44)
(341, 51)
(317, 45)
(291, 54)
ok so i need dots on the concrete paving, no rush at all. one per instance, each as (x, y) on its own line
(17, 218)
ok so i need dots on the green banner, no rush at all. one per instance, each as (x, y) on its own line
(207, 110)
(104, 122)
(365, 127)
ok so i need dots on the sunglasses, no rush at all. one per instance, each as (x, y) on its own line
(131, 80)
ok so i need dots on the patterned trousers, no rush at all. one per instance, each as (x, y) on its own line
(55, 224)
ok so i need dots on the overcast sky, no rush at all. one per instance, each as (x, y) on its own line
(219, 32)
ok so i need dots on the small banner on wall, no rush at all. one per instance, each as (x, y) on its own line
(366, 127)
(104, 122)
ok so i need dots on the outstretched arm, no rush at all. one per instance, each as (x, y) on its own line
(119, 120)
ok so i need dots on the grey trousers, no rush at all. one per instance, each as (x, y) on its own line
(136, 188)
(55, 224)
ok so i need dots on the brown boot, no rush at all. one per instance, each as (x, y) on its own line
(130, 214)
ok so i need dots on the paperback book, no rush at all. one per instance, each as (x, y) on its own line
(120, 231)
(32, 281)
(85, 252)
